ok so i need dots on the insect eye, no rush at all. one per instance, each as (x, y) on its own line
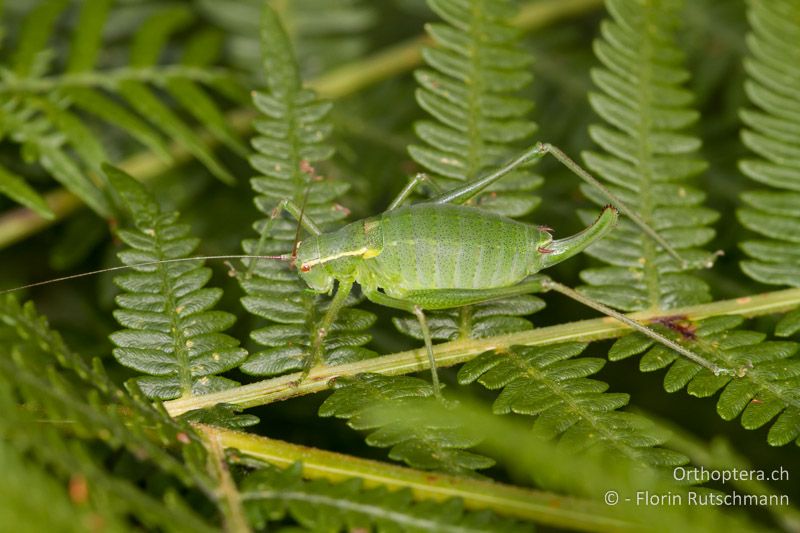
(304, 268)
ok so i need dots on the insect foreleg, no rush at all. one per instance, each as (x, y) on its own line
(324, 325)
(411, 186)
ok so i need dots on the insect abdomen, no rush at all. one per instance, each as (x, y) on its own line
(452, 247)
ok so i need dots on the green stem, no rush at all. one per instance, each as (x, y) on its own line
(21, 223)
(227, 494)
(462, 350)
(543, 507)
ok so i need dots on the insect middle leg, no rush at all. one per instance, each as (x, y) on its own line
(444, 299)
(411, 186)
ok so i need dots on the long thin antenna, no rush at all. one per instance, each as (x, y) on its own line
(148, 263)
(299, 223)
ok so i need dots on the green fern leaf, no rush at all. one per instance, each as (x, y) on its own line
(789, 324)
(46, 110)
(547, 383)
(773, 134)
(272, 494)
(43, 384)
(171, 332)
(768, 372)
(647, 158)
(431, 446)
(470, 89)
(321, 42)
(292, 136)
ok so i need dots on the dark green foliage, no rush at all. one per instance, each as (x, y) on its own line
(221, 415)
(172, 333)
(291, 138)
(89, 81)
(647, 157)
(365, 399)
(767, 384)
(52, 112)
(322, 41)
(271, 494)
(772, 132)
(547, 383)
(81, 416)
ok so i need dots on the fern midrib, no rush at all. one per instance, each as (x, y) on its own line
(586, 415)
(300, 185)
(646, 55)
(179, 340)
(476, 144)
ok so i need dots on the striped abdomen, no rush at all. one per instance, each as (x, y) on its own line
(450, 247)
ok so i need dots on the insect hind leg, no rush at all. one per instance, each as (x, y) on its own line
(717, 370)
(564, 159)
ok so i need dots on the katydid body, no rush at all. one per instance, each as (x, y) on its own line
(439, 254)
(459, 251)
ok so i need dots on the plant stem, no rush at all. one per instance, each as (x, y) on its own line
(543, 507)
(21, 223)
(227, 495)
(456, 352)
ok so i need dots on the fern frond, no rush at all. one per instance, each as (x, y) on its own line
(364, 400)
(475, 72)
(49, 112)
(272, 494)
(320, 42)
(171, 332)
(547, 383)
(292, 135)
(80, 415)
(773, 134)
(647, 158)
(767, 384)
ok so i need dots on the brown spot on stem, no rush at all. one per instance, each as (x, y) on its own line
(679, 324)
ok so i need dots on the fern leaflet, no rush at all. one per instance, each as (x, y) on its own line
(44, 384)
(44, 112)
(292, 133)
(547, 383)
(321, 42)
(768, 380)
(774, 135)
(171, 331)
(646, 161)
(414, 439)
